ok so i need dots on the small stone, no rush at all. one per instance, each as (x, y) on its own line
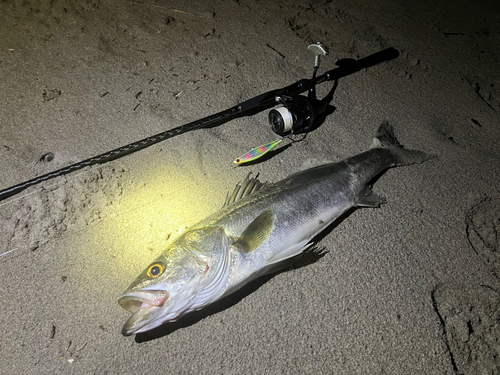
(49, 156)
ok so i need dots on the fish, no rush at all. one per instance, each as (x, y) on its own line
(259, 227)
(257, 152)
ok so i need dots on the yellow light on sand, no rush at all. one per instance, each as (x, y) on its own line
(158, 205)
(155, 215)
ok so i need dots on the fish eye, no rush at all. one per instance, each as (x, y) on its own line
(155, 270)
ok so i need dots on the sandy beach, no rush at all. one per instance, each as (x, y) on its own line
(412, 287)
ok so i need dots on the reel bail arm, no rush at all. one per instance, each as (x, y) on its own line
(246, 108)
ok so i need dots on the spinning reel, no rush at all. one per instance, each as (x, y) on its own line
(298, 113)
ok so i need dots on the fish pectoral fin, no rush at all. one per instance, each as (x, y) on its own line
(257, 232)
(290, 252)
(369, 199)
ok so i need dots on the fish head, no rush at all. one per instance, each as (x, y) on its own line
(189, 275)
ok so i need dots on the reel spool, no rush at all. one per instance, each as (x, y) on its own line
(298, 113)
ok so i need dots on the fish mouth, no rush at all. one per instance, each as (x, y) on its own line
(140, 304)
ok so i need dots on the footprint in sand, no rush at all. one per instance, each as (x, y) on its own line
(470, 314)
(470, 319)
(483, 232)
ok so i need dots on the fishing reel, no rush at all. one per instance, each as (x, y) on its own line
(297, 114)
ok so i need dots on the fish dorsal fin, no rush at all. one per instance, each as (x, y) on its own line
(257, 232)
(247, 187)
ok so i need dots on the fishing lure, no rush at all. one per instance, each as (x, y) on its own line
(257, 152)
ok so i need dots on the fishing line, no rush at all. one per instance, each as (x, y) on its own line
(295, 114)
(309, 106)
(303, 111)
(12, 201)
(7, 252)
(123, 210)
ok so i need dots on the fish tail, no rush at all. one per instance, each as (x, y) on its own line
(385, 138)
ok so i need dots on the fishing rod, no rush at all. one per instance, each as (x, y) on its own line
(296, 113)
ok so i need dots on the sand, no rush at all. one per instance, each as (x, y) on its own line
(412, 287)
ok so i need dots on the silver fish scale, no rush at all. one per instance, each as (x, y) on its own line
(251, 236)
(304, 204)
